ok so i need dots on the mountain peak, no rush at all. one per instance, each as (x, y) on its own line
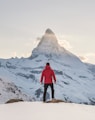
(49, 46)
(49, 31)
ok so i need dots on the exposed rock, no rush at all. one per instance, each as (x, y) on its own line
(14, 100)
(55, 101)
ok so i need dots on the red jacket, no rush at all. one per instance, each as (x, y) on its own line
(47, 75)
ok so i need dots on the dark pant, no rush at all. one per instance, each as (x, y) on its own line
(45, 90)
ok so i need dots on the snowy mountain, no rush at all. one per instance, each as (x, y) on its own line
(50, 48)
(75, 79)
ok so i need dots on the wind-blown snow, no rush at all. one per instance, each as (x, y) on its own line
(46, 111)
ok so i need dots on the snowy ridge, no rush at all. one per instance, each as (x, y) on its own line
(75, 79)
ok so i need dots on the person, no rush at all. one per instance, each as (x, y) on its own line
(48, 78)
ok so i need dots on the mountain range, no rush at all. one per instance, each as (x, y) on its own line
(20, 77)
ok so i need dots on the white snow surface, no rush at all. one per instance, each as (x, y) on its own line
(20, 78)
(46, 111)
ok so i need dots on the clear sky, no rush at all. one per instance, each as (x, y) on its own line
(22, 22)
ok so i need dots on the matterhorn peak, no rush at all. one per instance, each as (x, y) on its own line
(49, 46)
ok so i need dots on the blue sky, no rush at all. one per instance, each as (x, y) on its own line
(23, 21)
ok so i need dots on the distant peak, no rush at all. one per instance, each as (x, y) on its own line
(49, 31)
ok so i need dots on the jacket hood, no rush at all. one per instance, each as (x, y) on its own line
(47, 67)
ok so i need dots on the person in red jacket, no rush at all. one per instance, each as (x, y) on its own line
(48, 78)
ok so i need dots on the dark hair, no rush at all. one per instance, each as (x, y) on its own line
(48, 64)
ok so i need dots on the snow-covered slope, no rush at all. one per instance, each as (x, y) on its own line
(9, 90)
(75, 79)
(46, 111)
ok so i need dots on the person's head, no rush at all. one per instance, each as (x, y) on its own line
(47, 64)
